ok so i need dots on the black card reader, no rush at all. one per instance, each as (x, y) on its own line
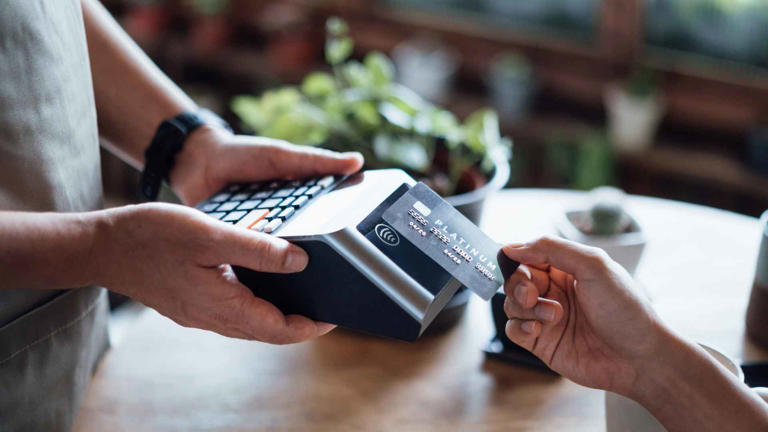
(365, 272)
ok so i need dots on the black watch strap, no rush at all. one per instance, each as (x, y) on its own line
(166, 144)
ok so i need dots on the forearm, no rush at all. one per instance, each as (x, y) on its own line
(686, 389)
(133, 96)
(48, 250)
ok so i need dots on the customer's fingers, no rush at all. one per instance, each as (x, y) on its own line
(524, 292)
(549, 312)
(578, 260)
(523, 332)
(530, 276)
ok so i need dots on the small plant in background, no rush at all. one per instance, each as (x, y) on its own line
(606, 216)
(642, 84)
(634, 107)
(359, 107)
(604, 223)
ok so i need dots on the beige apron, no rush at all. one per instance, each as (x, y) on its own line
(50, 341)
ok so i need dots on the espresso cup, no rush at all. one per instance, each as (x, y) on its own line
(623, 414)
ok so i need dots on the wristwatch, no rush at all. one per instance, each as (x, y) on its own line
(166, 144)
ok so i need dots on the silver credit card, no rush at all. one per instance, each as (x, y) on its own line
(448, 238)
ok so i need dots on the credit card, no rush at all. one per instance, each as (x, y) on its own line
(450, 239)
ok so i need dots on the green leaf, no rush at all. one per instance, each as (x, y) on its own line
(318, 85)
(380, 68)
(248, 109)
(356, 74)
(481, 131)
(336, 26)
(366, 114)
(402, 151)
(395, 115)
(283, 114)
(258, 113)
(303, 125)
(337, 50)
(406, 99)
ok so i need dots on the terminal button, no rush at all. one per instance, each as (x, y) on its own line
(270, 227)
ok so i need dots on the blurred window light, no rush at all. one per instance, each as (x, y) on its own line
(733, 30)
(560, 17)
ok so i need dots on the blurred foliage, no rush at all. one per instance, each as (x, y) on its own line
(734, 30)
(584, 162)
(642, 83)
(359, 107)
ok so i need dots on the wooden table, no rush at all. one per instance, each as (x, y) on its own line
(697, 268)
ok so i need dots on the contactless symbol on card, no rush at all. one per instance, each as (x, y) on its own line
(449, 238)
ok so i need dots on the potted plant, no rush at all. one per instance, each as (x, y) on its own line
(605, 224)
(357, 106)
(634, 109)
(510, 80)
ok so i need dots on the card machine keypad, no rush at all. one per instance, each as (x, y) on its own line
(265, 206)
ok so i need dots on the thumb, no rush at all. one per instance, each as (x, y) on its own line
(297, 161)
(576, 259)
(302, 161)
(260, 252)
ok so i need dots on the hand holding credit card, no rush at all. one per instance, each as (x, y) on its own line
(451, 240)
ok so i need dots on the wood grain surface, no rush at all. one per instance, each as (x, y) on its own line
(697, 269)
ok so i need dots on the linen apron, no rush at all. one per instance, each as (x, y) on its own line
(50, 341)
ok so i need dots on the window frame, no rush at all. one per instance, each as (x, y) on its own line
(694, 92)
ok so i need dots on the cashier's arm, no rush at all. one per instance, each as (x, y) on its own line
(172, 258)
(577, 310)
(169, 257)
(133, 96)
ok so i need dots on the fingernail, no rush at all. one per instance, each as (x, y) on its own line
(514, 246)
(354, 154)
(544, 312)
(296, 260)
(520, 293)
(528, 326)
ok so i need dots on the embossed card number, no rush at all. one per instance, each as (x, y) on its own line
(449, 238)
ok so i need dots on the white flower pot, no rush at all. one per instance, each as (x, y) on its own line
(625, 248)
(632, 121)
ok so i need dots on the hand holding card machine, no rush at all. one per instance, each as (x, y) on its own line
(386, 254)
